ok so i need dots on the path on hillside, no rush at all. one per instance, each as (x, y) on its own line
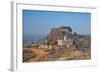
(40, 53)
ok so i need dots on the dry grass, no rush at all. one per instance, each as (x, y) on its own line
(28, 54)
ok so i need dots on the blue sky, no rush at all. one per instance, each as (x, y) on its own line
(40, 22)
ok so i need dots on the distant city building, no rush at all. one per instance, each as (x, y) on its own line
(62, 36)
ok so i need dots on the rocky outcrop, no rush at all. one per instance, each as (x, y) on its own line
(57, 33)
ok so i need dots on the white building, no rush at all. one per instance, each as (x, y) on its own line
(62, 41)
(43, 46)
(65, 41)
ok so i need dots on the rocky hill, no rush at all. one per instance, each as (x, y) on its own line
(60, 44)
(57, 33)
